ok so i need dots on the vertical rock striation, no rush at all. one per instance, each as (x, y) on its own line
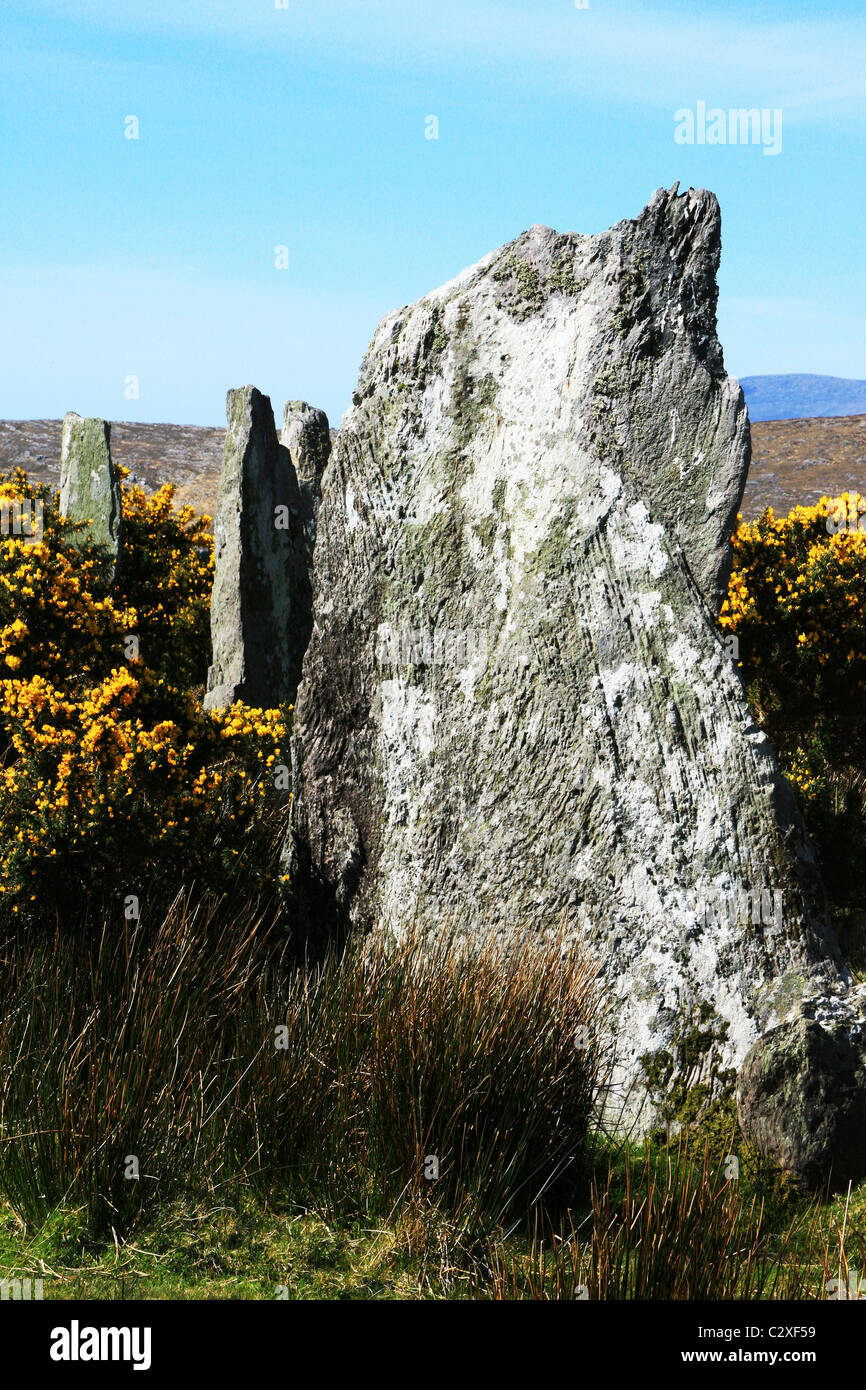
(517, 708)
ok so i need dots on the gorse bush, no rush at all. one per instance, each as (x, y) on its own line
(165, 573)
(100, 796)
(59, 618)
(797, 605)
(114, 780)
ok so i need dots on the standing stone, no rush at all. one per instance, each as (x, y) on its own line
(517, 709)
(307, 437)
(90, 484)
(253, 608)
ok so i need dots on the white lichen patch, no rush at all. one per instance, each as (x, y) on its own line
(637, 544)
(352, 517)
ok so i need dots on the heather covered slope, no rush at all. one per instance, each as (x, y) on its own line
(794, 462)
(797, 462)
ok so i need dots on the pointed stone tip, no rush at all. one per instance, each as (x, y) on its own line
(673, 194)
(700, 206)
(239, 396)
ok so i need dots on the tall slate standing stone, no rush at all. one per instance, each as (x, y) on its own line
(255, 615)
(90, 484)
(517, 708)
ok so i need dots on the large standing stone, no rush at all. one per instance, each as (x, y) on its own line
(90, 484)
(517, 708)
(255, 608)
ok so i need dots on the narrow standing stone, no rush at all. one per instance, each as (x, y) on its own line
(89, 483)
(252, 606)
(307, 437)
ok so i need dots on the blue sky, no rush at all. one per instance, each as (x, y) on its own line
(304, 127)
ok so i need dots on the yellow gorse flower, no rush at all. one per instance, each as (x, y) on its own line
(797, 604)
(106, 746)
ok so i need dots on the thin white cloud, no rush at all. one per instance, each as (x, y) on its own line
(641, 56)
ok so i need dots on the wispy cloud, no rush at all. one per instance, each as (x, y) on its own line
(812, 66)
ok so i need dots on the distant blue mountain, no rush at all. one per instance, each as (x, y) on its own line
(801, 397)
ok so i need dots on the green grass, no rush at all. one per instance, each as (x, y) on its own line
(642, 1211)
(199, 1250)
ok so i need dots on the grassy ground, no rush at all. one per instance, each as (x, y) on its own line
(237, 1250)
(239, 1246)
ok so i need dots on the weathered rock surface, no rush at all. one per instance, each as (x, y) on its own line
(259, 621)
(89, 483)
(801, 1092)
(516, 706)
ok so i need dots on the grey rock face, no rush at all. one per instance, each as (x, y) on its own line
(516, 706)
(89, 483)
(256, 612)
(801, 1093)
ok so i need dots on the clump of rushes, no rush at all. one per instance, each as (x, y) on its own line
(449, 1082)
(679, 1228)
(453, 1075)
(114, 782)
